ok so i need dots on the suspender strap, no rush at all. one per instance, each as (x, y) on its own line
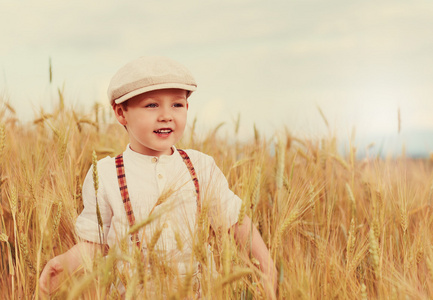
(125, 195)
(194, 178)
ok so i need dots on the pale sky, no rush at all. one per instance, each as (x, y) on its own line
(274, 62)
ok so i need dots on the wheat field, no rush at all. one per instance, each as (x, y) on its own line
(336, 227)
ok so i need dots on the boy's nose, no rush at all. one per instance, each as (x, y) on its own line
(165, 115)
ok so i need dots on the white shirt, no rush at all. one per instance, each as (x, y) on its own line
(147, 179)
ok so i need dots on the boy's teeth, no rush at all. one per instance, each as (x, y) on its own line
(164, 131)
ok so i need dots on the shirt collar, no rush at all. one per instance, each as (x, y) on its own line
(163, 159)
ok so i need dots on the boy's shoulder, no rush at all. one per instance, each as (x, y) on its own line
(195, 153)
(106, 164)
(108, 160)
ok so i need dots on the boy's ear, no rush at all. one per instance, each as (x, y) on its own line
(120, 115)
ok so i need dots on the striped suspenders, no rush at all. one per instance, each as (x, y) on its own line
(125, 195)
(120, 168)
(191, 170)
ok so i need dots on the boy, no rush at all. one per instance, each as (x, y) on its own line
(149, 97)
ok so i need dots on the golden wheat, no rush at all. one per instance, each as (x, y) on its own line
(301, 197)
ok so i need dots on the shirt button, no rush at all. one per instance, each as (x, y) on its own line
(160, 176)
(154, 159)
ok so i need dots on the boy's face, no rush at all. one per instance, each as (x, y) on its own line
(155, 120)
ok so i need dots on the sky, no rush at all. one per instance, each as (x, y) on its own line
(274, 63)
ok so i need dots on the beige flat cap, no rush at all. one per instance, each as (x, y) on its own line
(148, 74)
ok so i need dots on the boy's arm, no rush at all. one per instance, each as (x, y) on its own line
(65, 264)
(259, 251)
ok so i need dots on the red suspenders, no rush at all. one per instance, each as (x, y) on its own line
(125, 195)
(191, 170)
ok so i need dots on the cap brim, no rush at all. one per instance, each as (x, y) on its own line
(162, 86)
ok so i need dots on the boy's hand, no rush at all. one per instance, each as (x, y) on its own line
(51, 276)
(260, 252)
(62, 265)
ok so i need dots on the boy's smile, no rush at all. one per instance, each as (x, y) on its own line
(155, 120)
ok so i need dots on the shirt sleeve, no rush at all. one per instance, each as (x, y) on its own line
(86, 225)
(224, 205)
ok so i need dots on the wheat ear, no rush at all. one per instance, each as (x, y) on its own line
(374, 252)
(96, 187)
(294, 214)
(234, 276)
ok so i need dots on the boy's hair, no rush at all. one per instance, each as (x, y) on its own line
(124, 105)
(147, 74)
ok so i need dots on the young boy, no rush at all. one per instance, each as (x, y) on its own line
(149, 97)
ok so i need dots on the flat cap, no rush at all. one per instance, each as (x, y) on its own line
(149, 73)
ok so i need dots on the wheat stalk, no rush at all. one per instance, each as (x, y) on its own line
(364, 295)
(165, 195)
(4, 237)
(242, 212)
(179, 241)
(294, 214)
(9, 107)
(96, 187)
(352, 200)
(374, 252)
(155, 237)
(2, 139)
(187, 285)
(403, 218)
(341, 161)
(226, 257)
(25, 252)
(202, 235)
(280, 147)
(256, 188)
(236, 275)
(62, 148)
(351, 240)
(429, 264)
(141, 224)
(58, 216)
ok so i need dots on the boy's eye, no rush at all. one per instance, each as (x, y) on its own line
(178, 105)
(151, 105)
